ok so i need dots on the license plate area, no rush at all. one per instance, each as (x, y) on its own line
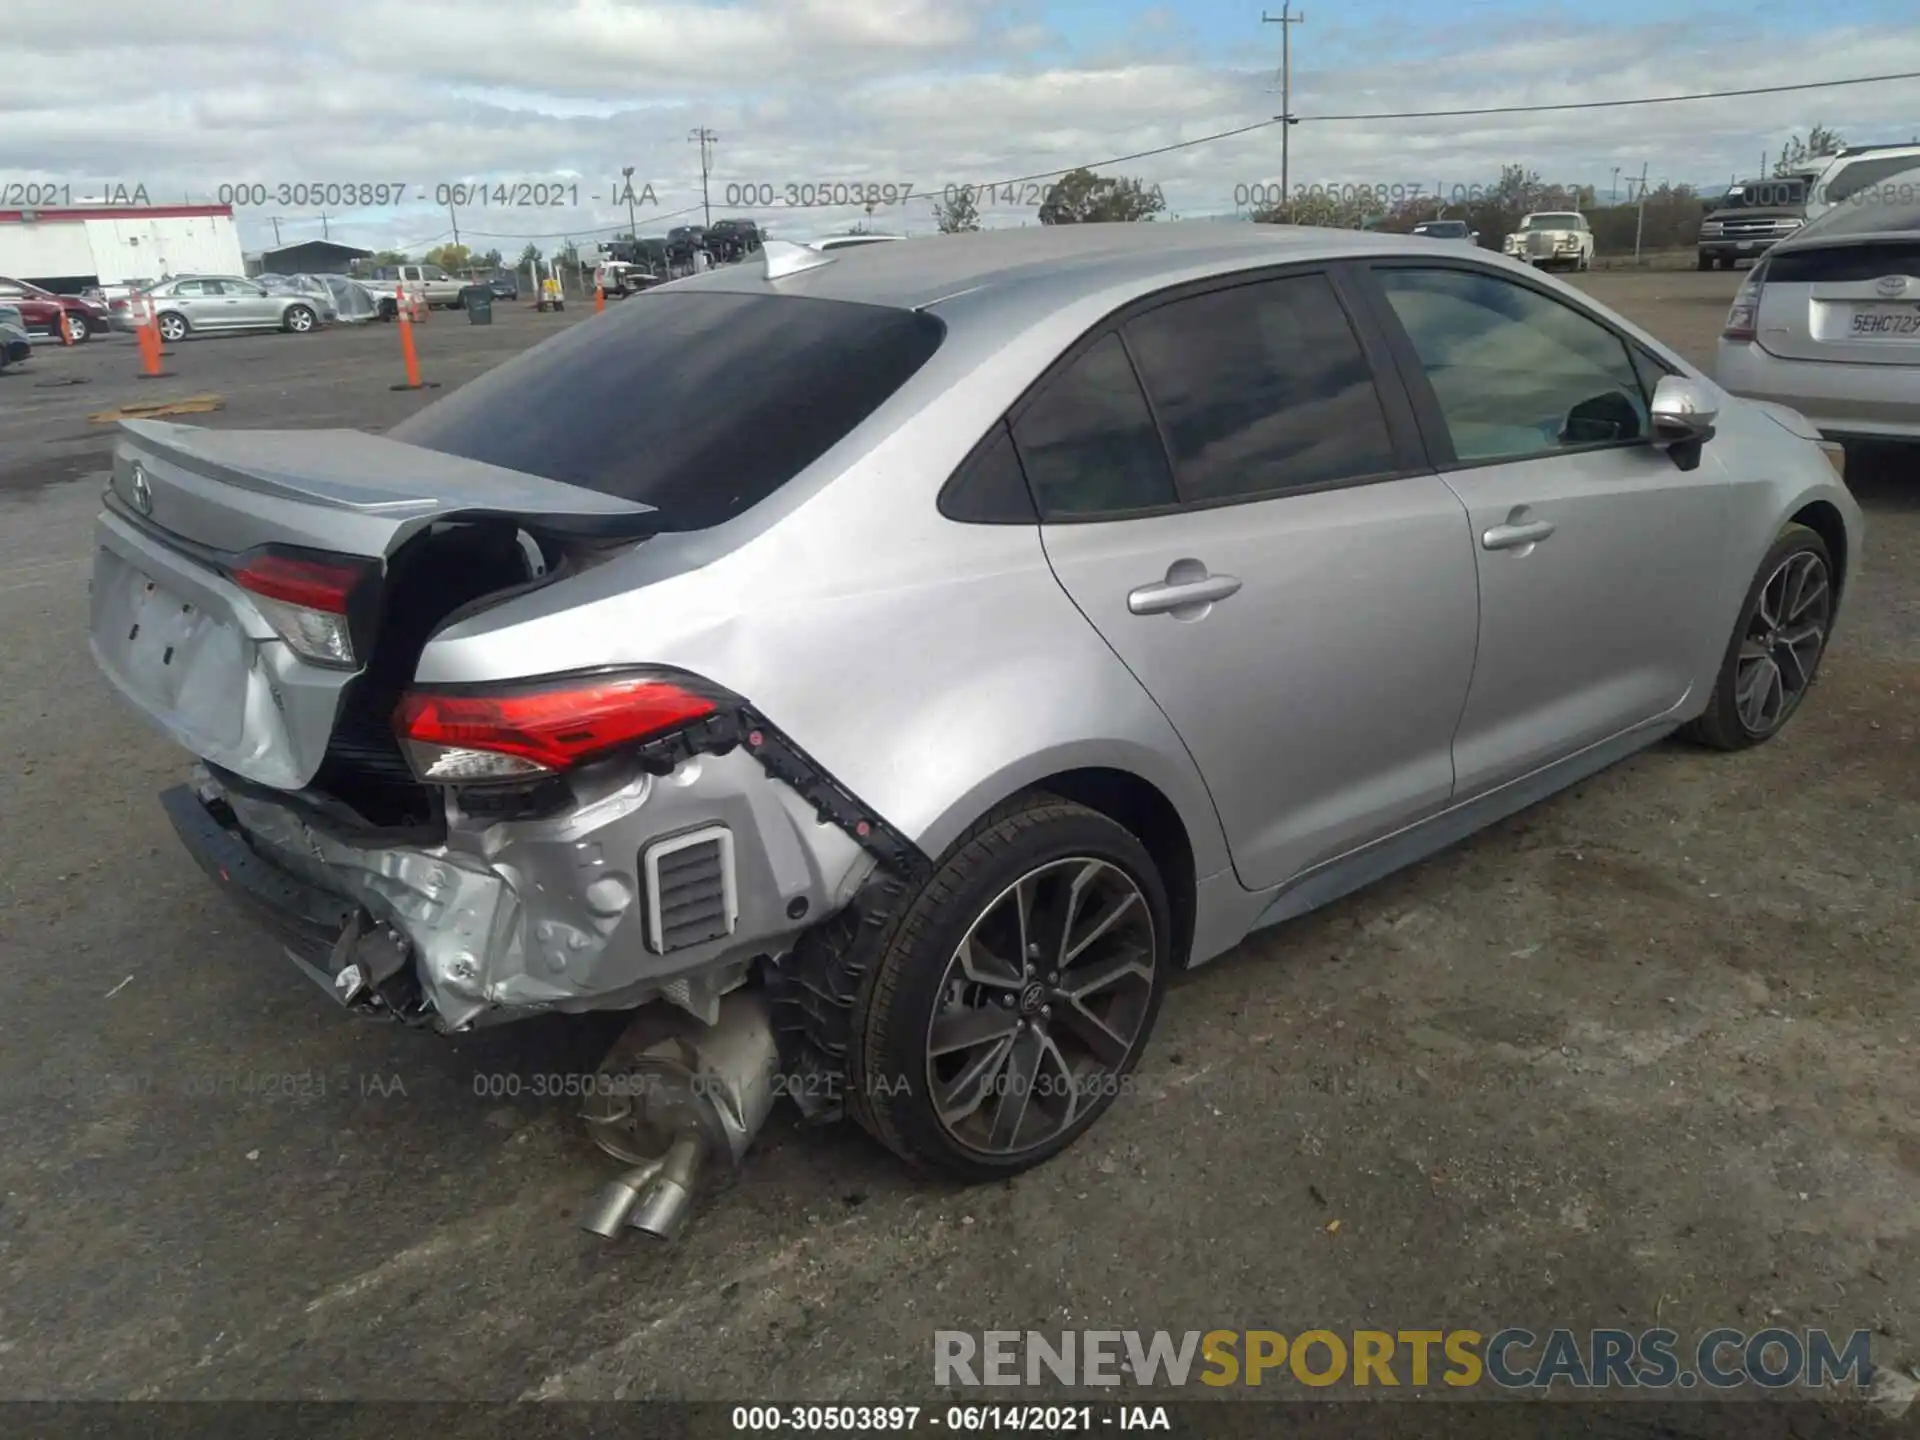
(1883, 322)
(183, 662)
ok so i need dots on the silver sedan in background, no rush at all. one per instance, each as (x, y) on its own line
(1828, 321)
(985, 629)
(211, 303)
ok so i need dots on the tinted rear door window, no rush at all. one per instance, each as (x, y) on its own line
(1087, 442)
(699, 405)
(1262, 389)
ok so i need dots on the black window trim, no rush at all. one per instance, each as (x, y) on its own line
(1403, 431)
(945, 502)
(1443, 458)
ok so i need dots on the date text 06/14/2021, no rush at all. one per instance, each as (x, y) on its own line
(336, 195)
(902, 1419)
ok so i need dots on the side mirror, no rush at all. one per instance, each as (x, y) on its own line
(1683, 411)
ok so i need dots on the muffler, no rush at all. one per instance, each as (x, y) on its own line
(679, 1109)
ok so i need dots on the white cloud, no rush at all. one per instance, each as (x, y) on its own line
(186, 99)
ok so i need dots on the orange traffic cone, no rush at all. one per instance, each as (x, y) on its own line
(599, 298)
(404, 306)
(148, 332)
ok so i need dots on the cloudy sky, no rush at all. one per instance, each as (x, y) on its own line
(184, 100)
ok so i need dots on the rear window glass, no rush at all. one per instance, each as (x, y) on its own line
(698, 404)
(1844, 264)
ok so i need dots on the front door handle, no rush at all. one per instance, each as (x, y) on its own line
(1511, 537)
(1179, 591)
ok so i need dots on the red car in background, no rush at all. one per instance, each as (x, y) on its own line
(46, 313)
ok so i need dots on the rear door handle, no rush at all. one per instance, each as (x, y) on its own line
(1511, 537)
(1164, 595)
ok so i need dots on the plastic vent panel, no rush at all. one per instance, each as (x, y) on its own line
(691, 893)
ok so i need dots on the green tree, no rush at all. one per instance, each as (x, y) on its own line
(1081, 197)
(1321, 208)
(958, 213)
(390, 257)
(450, 258)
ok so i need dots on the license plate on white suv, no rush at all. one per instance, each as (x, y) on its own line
(1885, 322)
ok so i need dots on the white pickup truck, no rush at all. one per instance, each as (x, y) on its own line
(428, 282)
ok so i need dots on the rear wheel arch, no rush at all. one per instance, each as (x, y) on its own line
(1138, 806)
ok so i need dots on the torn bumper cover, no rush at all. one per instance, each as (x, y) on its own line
(647, 887)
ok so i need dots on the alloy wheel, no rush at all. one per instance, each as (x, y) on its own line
(1782, 646)
(1041, 1006)
(172, 327)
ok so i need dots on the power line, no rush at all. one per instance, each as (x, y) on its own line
(1613, 104)
(1439, 115)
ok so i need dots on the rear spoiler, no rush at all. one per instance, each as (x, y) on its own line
(350, 490)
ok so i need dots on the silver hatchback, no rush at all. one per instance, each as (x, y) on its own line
(1828, 321)
(894, 664)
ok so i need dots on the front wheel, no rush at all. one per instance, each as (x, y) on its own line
(173, 328)
(76, 327)
(1013, 993)
(1776, 647)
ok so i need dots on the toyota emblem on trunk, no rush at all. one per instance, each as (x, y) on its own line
(1891, 284)
(142, 491)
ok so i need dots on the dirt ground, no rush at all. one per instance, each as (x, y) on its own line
(1644, 1053)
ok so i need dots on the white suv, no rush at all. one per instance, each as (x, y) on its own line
(1855, 171)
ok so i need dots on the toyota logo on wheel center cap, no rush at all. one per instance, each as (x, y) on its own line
(1032, 998)
(1891, 285)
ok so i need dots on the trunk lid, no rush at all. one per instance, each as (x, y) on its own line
(1856, 303)
(195, 653)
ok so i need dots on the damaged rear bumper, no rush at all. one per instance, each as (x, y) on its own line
(646, 887)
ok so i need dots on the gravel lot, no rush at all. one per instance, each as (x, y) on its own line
(1644, 1051)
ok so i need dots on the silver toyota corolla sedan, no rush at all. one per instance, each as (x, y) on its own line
(895, 664)
(1828, 321)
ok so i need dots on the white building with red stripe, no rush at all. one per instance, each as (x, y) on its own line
(71, 247)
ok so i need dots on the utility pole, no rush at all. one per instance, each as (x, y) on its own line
(325, 234)
(706, 138)
(456, 224)
(1640, 220)
(1615, 197)
(276, 230)
(633, 232)
(1286, 20)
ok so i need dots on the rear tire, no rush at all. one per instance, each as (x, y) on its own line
(1774, 656)
(173, 327)
(1704, 262)
(972, 1059)
(300, 320)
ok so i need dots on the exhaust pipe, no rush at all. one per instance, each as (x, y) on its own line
(677, 1106)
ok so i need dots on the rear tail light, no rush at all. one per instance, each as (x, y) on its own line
(307, 601)
(1744, 313)
(541, 727)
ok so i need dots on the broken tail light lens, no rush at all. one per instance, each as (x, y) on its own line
(307, 600)
(460, 736)
(1744, 314)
